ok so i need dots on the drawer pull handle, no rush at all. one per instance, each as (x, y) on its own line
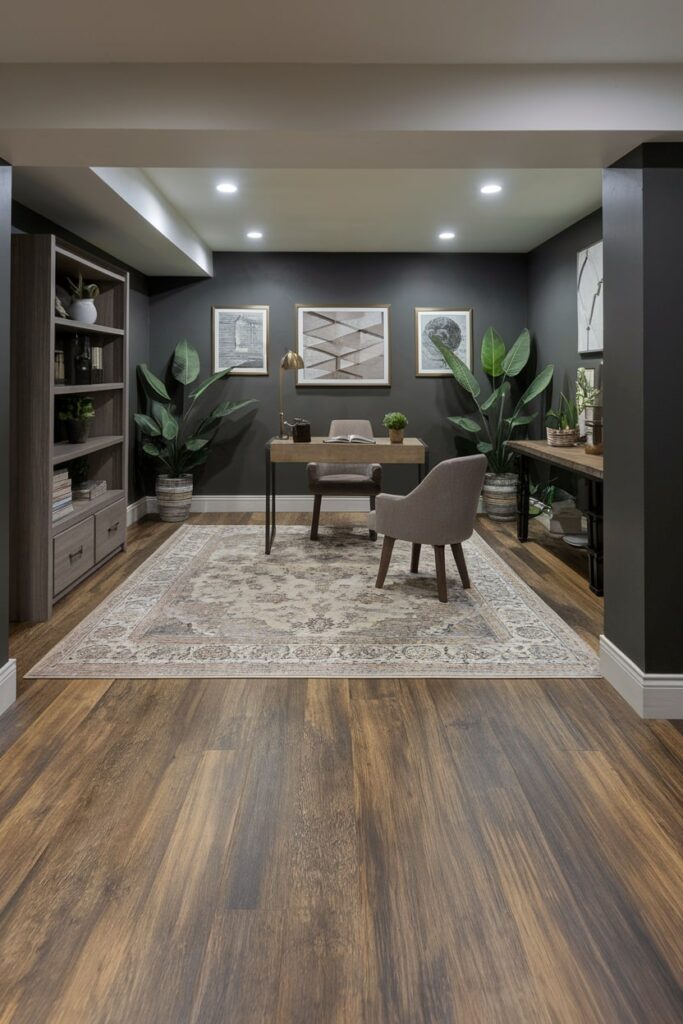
(114, 526)
(76, 554)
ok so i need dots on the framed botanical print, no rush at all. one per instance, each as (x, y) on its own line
(343, 346)
(451, 326)
(239, 339)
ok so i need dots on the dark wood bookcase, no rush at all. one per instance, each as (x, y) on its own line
(49, 558)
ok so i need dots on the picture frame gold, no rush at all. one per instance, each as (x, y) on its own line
(463, 319)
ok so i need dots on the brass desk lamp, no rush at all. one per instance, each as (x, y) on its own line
(290, 361)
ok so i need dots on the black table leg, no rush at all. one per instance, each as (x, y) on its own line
(270, 500)
(523, 500)
(594, 517)
(423, 467)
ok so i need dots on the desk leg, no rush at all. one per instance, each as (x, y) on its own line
(423, 467)
(594, 517)
(270, 501)
(523, 501)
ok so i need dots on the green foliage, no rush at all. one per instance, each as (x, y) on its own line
(586, 393)
(499, 364)
(76, 409)
(566, 417)
(179, 442)
(395, 421)
(80, 290)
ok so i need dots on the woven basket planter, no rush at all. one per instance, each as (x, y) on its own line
(562, 438)
(174, 495)
(499, 495)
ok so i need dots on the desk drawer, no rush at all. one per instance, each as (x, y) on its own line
(110, 529)
(74, 554)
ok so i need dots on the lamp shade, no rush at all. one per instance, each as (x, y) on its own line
(291, 361)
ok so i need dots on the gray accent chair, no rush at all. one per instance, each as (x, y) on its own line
(335, 480)
(441, 510)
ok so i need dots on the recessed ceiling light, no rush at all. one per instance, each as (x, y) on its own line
(491, 189)
(226, 186)
(446, 236)
(254, 234)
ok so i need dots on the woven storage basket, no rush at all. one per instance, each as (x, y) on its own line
(562, 438)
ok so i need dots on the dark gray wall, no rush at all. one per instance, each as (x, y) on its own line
(5, 247)
(494, 285)
(552, 300)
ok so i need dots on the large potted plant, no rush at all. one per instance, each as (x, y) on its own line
(178, 441)
(501, 366)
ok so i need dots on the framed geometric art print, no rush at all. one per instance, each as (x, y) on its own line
(343, 346)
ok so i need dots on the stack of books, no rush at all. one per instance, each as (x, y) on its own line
(89, 490)
(61, 495)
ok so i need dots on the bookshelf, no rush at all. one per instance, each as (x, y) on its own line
(51, 556)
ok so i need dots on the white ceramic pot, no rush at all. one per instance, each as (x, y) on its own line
(500, 496)
(174, 495)
(83, 310)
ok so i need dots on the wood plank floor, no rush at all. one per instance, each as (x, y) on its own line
(332, 851)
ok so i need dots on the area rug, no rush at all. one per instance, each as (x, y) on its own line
(209, 602)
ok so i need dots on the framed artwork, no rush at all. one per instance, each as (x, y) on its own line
(239, 339)
(343, 346)
(589, 296)
(453, 327)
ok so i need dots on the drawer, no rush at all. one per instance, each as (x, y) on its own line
(110, 529)
(73, 553)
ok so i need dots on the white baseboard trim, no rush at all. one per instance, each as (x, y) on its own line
(251, 503)
(650, 694)
(8, 684)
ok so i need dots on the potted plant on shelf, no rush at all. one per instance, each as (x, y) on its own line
(83, 306)
(396, 423)
(562, 424)
(179, 441)
(77, 415)
(501, 366)
(589, 406)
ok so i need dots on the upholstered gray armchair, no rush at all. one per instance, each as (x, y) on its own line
(441, 510)
(340, 479)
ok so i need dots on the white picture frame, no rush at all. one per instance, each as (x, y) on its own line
(453, 326)
(589, 299)
(239, 340)
(343, 346)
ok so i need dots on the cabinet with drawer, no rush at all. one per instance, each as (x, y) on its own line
(73, 554)
(110, 529)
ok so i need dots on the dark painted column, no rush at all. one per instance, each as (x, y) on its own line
(5, 247)
(643, 381)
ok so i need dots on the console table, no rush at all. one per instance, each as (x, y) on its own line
(575, 460)
(413, 451)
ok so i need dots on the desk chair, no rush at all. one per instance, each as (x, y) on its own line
(326, 478)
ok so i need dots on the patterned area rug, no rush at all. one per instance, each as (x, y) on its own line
(210, 603)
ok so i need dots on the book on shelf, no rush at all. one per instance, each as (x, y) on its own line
(349, 438)
(89, 489)
(61, 502)
(62, 513)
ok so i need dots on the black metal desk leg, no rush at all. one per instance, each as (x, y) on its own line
(270, 500)
(594, 517)
(423, 467)
(523, 501)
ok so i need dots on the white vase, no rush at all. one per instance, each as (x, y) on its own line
(83, 310)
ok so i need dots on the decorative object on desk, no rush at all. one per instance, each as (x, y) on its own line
(343, 346)
(301, 431)
(589, 298)
(239, 340)
(587, 393)
(349, 439)
(88, 490)
(594, 443)
(565, 432)
(77, 414)
(97, 368)
(60, 377)
(453, 327)
(62, 505)
(82, 361)
(180, 442)
(500, 365)
(395, 422)
(83, 306)
(290, 361)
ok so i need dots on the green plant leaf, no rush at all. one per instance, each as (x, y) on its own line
(195, 443)
(167, 422)
(185, 366)
(151, 449)
(226, 408)
(460, 371)
(147, 424)
(520, 421)
(205, 384)
(153, 386)
(518, 356)
(484, 447)
(492, 353)
(538, 384)
(465, 423)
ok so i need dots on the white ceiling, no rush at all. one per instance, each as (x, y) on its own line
(378, 210)
(357, 31)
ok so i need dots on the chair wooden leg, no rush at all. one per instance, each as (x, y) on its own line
(385, 558)
(373, 534)
(459, 556)
(440, 559)
(415, 557)
(317, 501)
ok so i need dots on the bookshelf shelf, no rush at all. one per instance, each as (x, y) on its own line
(76, 326)
(86, 389)
(83, 509)
(65, 452)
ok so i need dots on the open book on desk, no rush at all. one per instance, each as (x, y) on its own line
(346, 438)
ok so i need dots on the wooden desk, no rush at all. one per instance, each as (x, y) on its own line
(413, 452)
(574, 460)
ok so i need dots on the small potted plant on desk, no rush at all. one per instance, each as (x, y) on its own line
(83, 306)
(396, 423)
(562, 424)
(179, 442)
(500, 365)
(77, 416)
